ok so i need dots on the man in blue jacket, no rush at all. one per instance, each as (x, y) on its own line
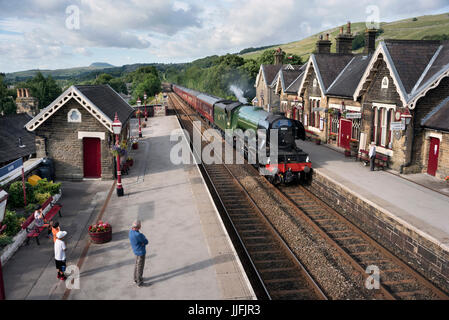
(138, 243)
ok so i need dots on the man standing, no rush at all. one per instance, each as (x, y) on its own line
(372, 155)
(138, 243)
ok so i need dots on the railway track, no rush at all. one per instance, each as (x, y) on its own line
(277, 269)
(397, 279)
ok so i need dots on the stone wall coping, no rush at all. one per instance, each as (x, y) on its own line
(407, 225)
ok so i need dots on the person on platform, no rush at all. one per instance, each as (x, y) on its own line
(372, 155)
(60, 257)
(138, 242)
(39, 219)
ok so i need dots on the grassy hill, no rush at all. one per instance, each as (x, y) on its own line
(56, 74)
(403, 29)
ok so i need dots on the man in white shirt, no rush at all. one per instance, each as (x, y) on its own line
(60, 257)
(372, 155)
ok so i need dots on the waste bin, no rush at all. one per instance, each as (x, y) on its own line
(47, 169)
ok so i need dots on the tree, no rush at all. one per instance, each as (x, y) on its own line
(292, 59)
(116, 83)
(46, 90)
(7, 105)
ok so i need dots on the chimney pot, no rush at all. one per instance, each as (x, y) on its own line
(327, 36)
(341, 30)
(349, 27)
(18, 93)
(26, 93)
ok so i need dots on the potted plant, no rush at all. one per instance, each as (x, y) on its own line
(100, 232)
(130, 161)
(134, 143)
(446, 179)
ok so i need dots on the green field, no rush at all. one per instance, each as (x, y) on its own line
(402, 29)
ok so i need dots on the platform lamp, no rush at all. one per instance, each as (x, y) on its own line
(3, 200)
(406, 116)
(117, 128)
(139, 103)
(145, 101)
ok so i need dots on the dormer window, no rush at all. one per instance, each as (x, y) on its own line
(74, 116)
(385, 83)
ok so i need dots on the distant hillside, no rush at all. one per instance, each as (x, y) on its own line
(101, 65)
(411, 28)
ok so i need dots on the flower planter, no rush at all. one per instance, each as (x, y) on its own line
(130, 162)
(135, 146)
(101, 237)
(347, 153)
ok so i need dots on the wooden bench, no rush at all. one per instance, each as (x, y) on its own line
(36, 231)
(381, 160)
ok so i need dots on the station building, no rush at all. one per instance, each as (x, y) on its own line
(75, 131)
(404, 92)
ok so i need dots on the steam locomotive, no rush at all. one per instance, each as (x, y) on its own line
(292, 163)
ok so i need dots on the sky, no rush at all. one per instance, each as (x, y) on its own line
(55, 34)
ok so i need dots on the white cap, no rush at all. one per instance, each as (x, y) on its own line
(61, 234)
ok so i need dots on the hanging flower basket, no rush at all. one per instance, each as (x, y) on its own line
(100, 233)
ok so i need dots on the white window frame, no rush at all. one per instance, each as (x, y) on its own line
(69, 119)
(385, 82)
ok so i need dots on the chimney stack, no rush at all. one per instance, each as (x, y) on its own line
(344, 40)
(323, 46)
(370, 41)
(278, 56)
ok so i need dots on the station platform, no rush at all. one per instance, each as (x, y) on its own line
(409, 213)
(189, 255)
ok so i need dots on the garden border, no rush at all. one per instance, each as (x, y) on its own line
(8, 251)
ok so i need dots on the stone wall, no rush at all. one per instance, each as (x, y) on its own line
(314, 91)
(390, 95)
(421, 143)
(66, 149)
(429, 258)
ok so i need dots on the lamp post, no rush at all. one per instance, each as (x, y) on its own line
(139, 103)
(117, 128)
(3, 199)
(145, 100)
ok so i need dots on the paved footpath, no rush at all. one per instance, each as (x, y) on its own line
(189, 255)
(424, 210)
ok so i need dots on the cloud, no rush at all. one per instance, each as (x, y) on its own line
(176, 30)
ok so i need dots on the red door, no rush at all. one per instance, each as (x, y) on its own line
(345, 133)
(92, 157)
(433, 156)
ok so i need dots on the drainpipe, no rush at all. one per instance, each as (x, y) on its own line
(410, 137)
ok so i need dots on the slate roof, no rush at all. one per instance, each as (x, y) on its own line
(107, 100)
(294, 86)
(270, 71)
(330, 65)
(410, 58)
(438, 118)
(101, 97)
(347, 81)
(11, 128)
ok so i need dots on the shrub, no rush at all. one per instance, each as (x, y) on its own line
(30, 207)
(42, 197)
(415, 19)
(15, 191)
(5, 240)
(44, 186)
(13, 223)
